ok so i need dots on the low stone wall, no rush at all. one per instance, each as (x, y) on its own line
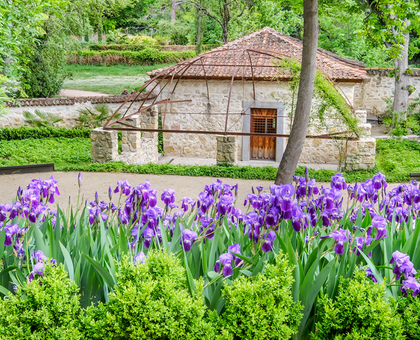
(137, 147)
(226, 150)
(65, 108)
(370, 94)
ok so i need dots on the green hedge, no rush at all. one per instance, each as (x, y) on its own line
(135, 47)
(147, 56)
(25, 132)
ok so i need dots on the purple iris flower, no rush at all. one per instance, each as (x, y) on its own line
(268, 241)
(403, 265)
(186, 202)
(340, 236)
(272, 217)
(379, 181)
(379, 223)
(225, 205)
(410, 284)
(37, 270)
(148, 235)
(370, 274)
(236, 248)
(140, 258)
(338, 182)
(251, 218)
(187, 239)
(360, 242)
(168, 196)
(225, 261)
(124, 186)
(39, 256)
(11, 230)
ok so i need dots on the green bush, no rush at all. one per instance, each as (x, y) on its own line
(25, 132)
(151, 301)
(136, 47)
(46, 308)
(409, 310)
(146, 56)
(361, 310)
(261, 307)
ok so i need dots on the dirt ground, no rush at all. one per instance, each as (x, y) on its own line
(93, 181)
(80, 93)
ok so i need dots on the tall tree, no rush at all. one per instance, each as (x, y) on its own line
(98, 9)
(391, 21)
(297, 136)
(222, 11)
(173, 11)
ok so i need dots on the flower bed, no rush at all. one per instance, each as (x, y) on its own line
(267, 268)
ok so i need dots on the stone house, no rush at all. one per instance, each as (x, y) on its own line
(241, 78)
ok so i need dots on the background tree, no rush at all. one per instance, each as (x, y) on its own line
(391, 22)
(223, 12)
(100, 9)
(45, 72)
(297, 136)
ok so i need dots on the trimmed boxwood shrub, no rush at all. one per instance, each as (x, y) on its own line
(360, 311)
(151, 301)
(261, 307)
(409, 309)
(46, 308)
(25, 132)
(146, 56)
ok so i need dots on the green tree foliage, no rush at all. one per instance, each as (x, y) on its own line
(47, 308)
(361, 310)
(261, 307)
(45, 73)
(151, 301)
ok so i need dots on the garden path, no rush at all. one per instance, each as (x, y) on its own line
(93, 181)
(80, 93)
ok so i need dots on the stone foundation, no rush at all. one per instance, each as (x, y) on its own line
(149, 149)
(104, 145)
(226, 150)
(137, 147)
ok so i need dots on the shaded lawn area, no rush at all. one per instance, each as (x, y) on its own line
(395, 159)
(108, 79)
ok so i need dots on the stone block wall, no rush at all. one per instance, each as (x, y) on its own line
(104, 145)
(149, 149)
(226, 150)
(65, 108)
(137, 147)
(361, 154)
(370, 94)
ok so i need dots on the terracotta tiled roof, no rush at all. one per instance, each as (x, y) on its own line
(224, 61)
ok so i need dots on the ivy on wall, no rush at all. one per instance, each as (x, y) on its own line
(324, 90)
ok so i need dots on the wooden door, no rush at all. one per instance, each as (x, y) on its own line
(263, 121)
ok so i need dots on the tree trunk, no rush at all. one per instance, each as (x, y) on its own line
(402, 81)
(297, 136)
(173, 13)
(225, 29)
(199, 33)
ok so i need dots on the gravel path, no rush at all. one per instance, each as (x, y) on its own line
(93, 181)
(81, 93)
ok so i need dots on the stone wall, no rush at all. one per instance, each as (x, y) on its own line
(137, 147)
(64, 108)
(183, 116)
(370, 94)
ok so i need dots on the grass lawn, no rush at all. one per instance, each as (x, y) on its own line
(395, 159)
(108, 79)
